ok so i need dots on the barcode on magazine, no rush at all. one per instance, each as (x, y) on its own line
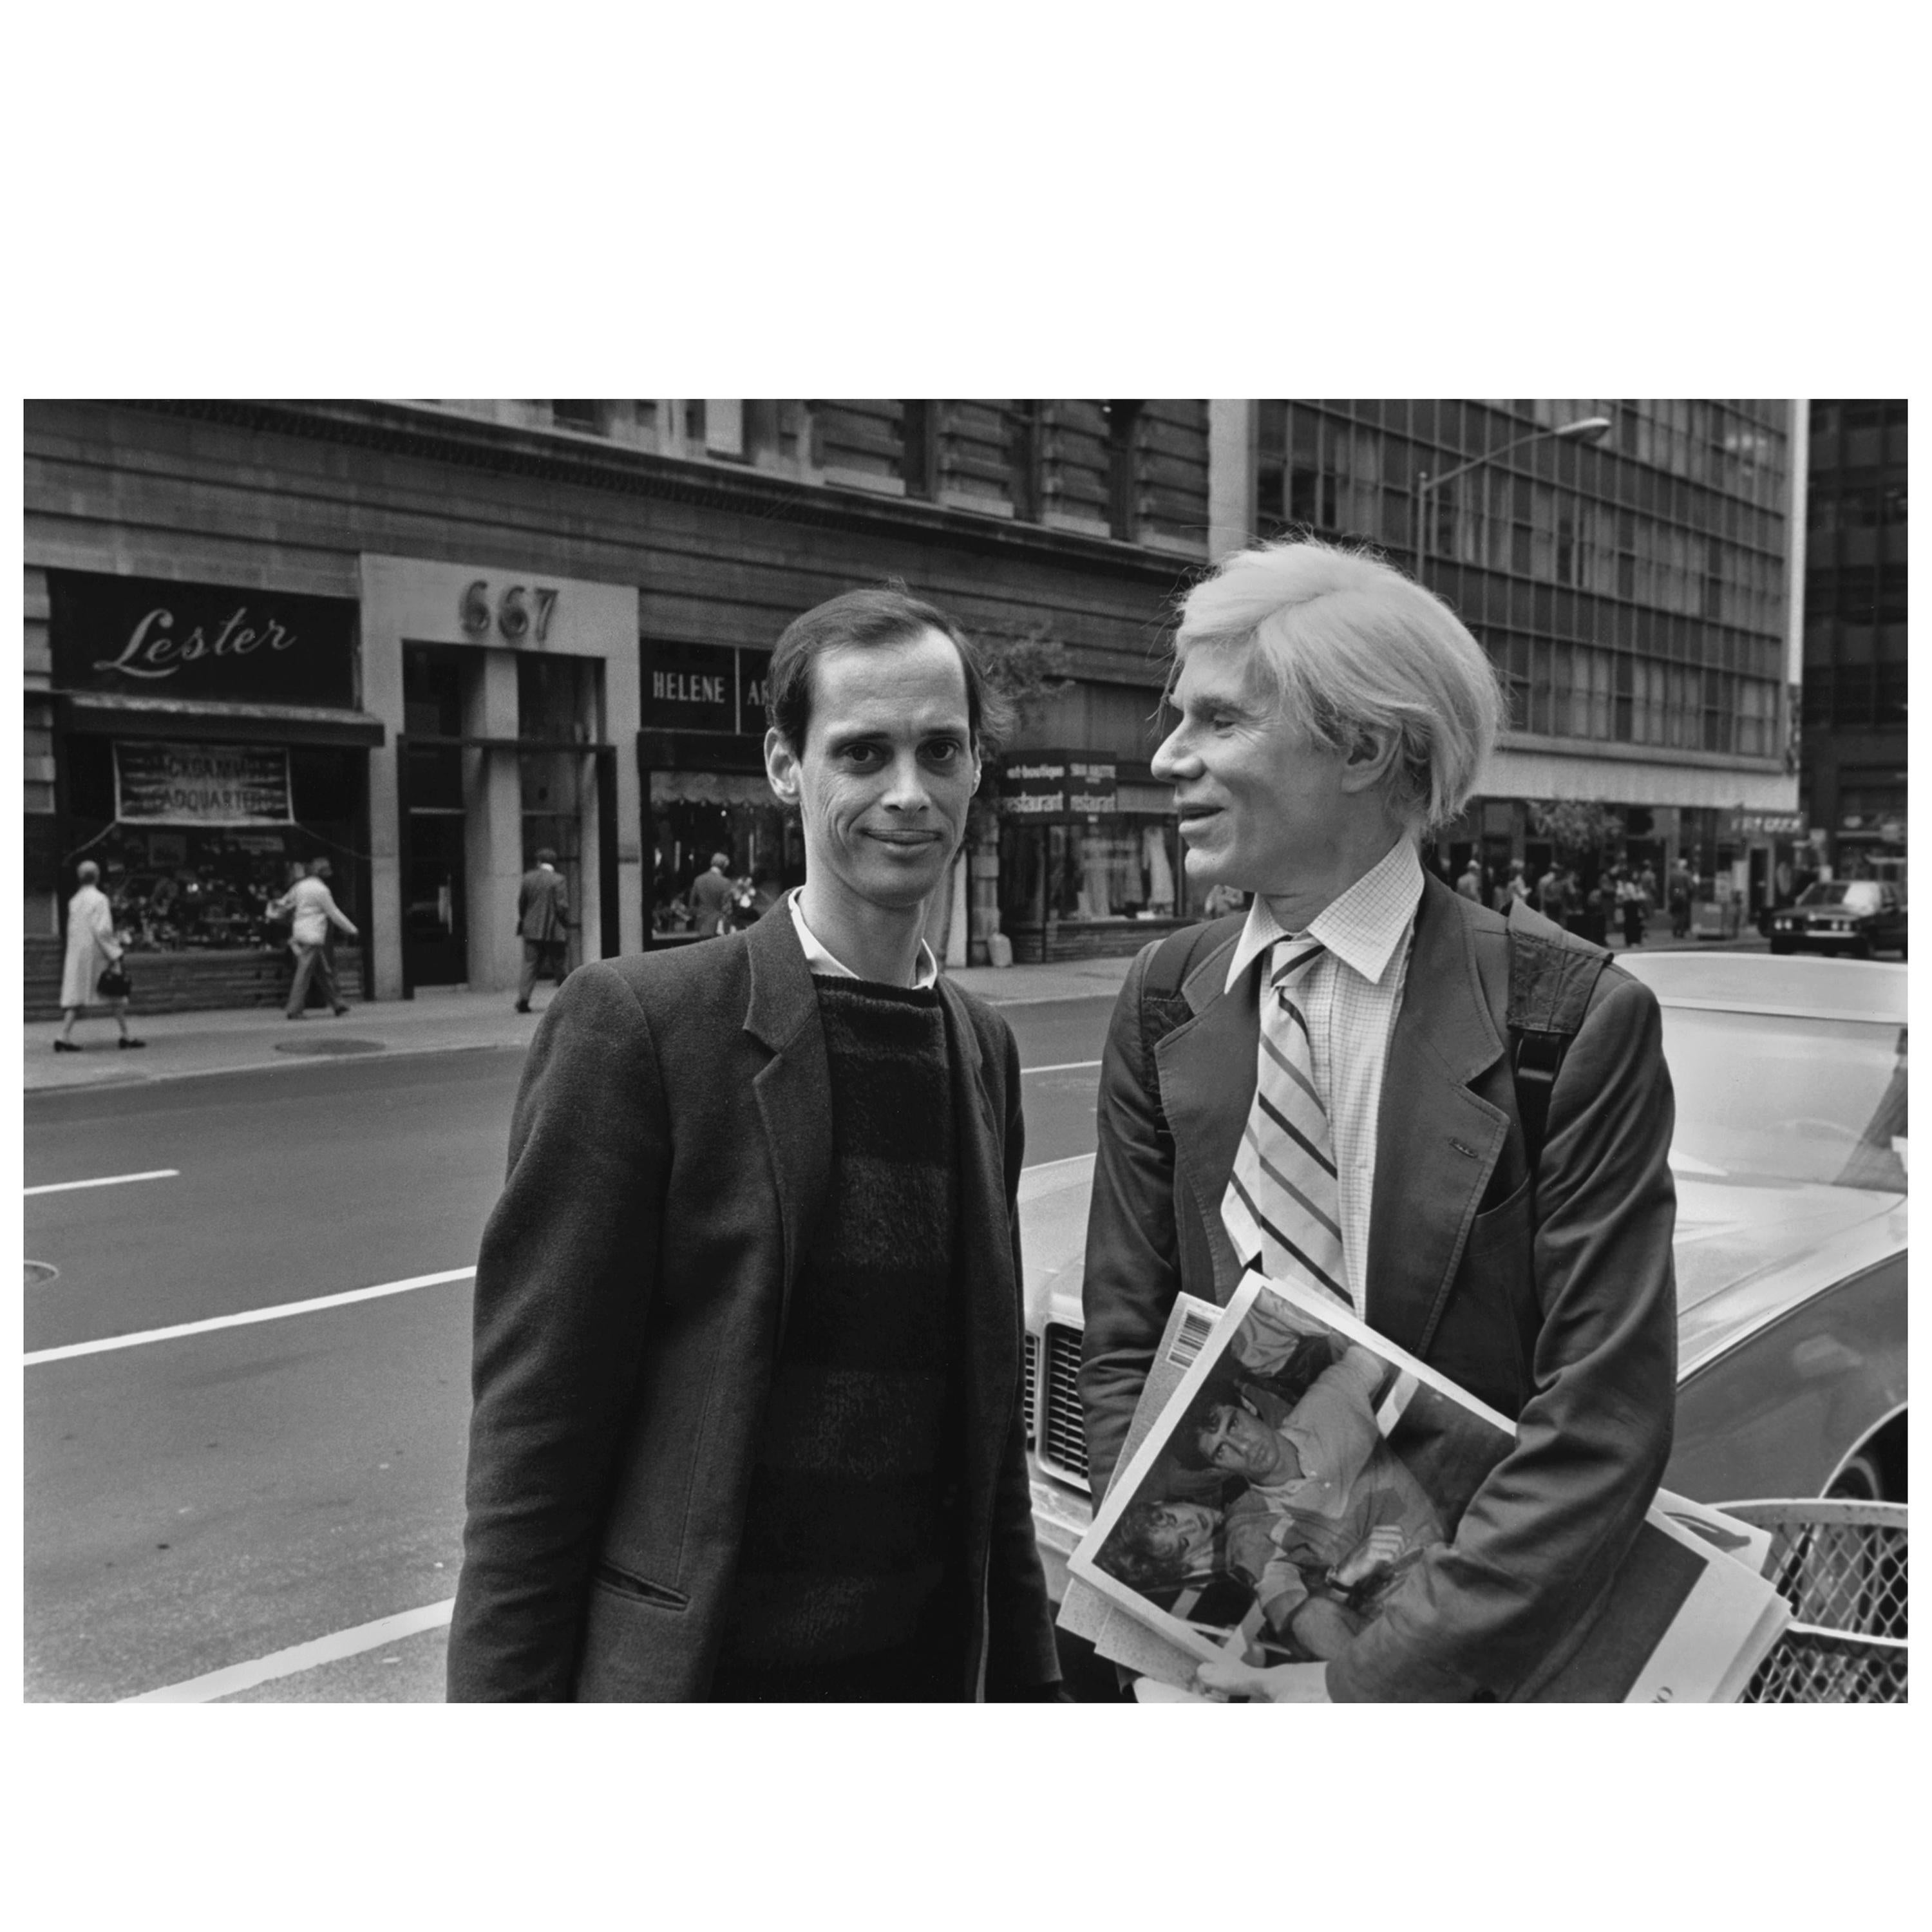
(1195, 1329)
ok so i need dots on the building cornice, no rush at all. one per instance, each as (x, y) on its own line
(591, 462)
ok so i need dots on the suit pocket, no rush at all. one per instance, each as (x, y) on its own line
(607, 1575)
(1487, 1338)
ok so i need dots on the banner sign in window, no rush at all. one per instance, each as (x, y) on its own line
(201, 785)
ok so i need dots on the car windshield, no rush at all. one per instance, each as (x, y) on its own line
(1856, 895)
(1779, 1097)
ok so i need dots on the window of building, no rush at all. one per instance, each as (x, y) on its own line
(1122, 491)
(586, 416)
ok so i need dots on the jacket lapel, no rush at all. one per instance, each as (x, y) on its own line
(1437, 1143)
(1207, 1073)
(794, 1090)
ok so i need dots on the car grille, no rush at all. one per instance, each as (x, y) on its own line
(1032, 1386)
(1062, 1441)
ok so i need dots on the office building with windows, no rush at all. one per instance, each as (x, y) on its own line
(1634, 588)
(424, 638)
(1852, 761)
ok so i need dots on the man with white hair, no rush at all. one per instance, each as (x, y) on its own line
(1457, 1123)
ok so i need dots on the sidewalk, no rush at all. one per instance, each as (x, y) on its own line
(182, 1045)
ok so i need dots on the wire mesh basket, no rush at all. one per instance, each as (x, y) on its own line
(1841, 1568)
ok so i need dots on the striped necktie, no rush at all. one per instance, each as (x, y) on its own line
(1282, 1207)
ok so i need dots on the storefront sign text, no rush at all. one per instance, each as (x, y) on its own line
(1059, 786)
(201, 785)
(1763, 825)
(144, 635)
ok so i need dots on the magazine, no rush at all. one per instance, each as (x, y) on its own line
(1213, 1541)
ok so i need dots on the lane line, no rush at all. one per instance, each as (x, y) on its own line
(300, 1657)
(1065, 1066)
(105, 1181)
(247, 1317)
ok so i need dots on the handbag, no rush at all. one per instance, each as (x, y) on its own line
(114, 984)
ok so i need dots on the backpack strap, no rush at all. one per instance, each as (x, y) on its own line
(1163, 1006)
(1552, 975)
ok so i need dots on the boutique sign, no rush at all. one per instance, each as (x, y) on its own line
(201, 785)
(146, 636)
(1059, 787)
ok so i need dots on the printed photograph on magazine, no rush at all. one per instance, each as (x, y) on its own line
(1293, 1481)
(1303, 1466)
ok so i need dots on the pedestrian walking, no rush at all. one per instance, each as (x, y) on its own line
(543, 924)
(1678, 889)
(93, 974)
(1554, 898)
(313, 910)
(711, 896)
(1470, 885)
(1630, 904)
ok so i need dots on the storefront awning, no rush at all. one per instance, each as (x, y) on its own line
(112, 714)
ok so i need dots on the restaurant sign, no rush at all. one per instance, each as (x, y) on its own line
(147, 637)
(1763, 825)
(1058, 787)
(157, 784)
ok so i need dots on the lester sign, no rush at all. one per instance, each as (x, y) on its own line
(201, 785)
(147, 637)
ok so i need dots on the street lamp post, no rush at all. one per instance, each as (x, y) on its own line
(1585, 429)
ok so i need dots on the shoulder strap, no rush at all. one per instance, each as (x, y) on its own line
(1551, 975)
(1162, 1006)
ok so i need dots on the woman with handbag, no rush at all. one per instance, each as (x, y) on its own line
(93, 972)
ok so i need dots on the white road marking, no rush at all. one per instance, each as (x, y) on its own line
(105, 1181)
(1065, 1066)
(247, 1317)
(244, 1318)
(300, 1657)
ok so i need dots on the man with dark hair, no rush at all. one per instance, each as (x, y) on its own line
(543, 923)
(749, 1420)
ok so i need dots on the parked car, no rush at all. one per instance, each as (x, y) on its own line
(1860, 916)
(1789, 1157)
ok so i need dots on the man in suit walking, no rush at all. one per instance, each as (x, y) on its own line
(1329, 1095)
(543, 923)
(711, 896)
(748, 1420)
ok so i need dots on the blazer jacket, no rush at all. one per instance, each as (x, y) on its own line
(1551, 1296)
(668, 1161)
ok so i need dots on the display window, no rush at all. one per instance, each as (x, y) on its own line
(1118, 866)
(193, 884)
(696, 813)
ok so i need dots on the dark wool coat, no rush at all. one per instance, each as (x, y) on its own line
(669, 1153)
(1552, 1300)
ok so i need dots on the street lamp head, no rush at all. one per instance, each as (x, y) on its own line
(1585, 429)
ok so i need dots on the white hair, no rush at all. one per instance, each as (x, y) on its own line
(1349, 645)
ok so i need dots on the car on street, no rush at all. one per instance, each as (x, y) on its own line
(1859, 916)
(1790, 1156)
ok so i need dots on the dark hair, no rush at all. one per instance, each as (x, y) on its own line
(546, 852)
(860, 619)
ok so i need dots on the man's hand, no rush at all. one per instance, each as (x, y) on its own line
(1381, 1549)
(1228, 1678)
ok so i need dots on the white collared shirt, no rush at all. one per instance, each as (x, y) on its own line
(925, 973)
(1350, 998)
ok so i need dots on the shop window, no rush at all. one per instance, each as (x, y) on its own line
(693, 814)
(1125, 865)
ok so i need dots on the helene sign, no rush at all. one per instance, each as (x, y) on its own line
(142, 635)
(201, 785)
(1058, 787)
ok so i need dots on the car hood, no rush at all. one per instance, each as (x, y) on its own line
(1746, 1251)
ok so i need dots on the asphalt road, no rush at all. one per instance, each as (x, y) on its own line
(202, 1502)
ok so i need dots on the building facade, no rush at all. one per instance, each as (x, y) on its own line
(1853, 763)
(1636, 591)
(423, 639)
